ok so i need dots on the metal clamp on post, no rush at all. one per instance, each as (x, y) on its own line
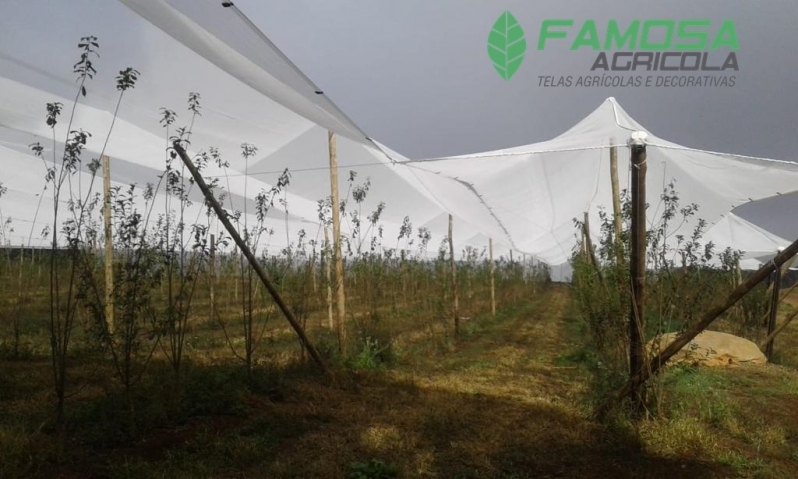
(637, 140)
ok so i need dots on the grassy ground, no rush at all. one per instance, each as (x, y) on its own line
(508, 400)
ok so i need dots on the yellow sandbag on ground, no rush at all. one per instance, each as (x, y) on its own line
(713, 349)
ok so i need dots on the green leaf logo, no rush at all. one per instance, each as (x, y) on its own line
(506, 45)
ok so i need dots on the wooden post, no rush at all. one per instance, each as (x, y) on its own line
(738, 274)
(21, 260)
(340, 326)
(455, 311)
(591, 252)
(328, 273)
(583, 247)
(253, 261)
(313, 270)
(524, 269)
(19, 278)
(492, 279)
(616, 204)
(656, 363)
(774, 311)
(637, 271)
(109, 245)
(587, 242)
(236, 264)
(212, 277)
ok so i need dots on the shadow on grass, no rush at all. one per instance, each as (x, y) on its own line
(453, 434)
(321, 431)
(296, 426)
(294, 423)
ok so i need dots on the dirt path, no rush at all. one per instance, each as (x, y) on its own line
(513, 358)
(497, 407)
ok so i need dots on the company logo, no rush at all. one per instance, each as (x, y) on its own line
(506, 45)
(652, 45)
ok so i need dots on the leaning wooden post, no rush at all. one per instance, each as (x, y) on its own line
(340, 326)
(253, 261)
(656, 363)
(455, 312)
(780, 277)
(769, 339)
(792, 288)
(774, 311)
(591, 253)
(637, 268)
(784, 270)
(616, 204)
(109, 245)
(492, 279)
(782, 297)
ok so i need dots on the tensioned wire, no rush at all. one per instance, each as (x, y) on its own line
(417, 163)
(520, 153)
(410, 163)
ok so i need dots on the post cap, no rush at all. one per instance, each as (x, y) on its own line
(638, 138)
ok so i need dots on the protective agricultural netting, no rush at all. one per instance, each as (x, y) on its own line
(526, 198)
(530, 195)
(276, 111)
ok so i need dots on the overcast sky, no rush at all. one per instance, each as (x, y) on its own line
(415, 75)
